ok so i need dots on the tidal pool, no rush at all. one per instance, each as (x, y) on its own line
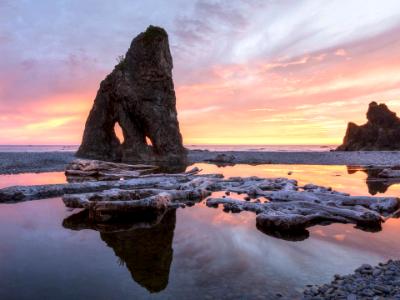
(48, 251)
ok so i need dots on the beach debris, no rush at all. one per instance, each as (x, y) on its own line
(367, 282)
(139, 96)
(381, 132)
(96, 170)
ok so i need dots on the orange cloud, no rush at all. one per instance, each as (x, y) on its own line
(297, 100)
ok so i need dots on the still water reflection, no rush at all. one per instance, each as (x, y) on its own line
(47, 251)
(144, 246)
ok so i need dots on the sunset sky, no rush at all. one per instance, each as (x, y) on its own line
(245, 71)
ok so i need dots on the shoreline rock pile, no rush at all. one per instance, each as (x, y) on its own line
(367, 282)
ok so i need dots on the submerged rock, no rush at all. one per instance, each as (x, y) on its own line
(139, 95)
(381, 132)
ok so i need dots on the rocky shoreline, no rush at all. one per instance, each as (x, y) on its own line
(35, 162)
(367, 282)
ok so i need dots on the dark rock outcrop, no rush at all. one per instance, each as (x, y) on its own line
(381, 132)
(138, 95)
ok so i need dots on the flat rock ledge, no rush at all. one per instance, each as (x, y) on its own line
(283, 208)
(116, 203)
(288, 209)
(367, 282)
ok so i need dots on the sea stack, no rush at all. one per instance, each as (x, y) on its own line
(381, 132)
(139, 95)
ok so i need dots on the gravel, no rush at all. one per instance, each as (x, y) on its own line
(360, 158)
(28, 162)
(367, 282)
(34, 162)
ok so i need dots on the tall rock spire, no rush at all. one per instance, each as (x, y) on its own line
(139, 95)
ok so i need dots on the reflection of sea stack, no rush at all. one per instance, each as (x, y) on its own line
(375, 182)
(143, 245)
(146, 252)
(381, 132)
(138, 95)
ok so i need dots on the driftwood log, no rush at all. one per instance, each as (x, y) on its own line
(84, 169)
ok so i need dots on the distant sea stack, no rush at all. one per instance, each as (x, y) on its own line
(139, 95)
(381, 132)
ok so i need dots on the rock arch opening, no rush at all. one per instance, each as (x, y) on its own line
(148, 141)
(119, 133)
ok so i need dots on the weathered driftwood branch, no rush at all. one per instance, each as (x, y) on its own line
(84, 169)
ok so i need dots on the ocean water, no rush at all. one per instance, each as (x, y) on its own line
(283, 148)
(50, 252)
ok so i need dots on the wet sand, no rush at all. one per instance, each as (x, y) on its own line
(32, 162)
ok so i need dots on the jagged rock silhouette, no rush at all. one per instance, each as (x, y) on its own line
(381, 132)
(139, 95)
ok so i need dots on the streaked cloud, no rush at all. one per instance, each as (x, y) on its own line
(246, 71)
